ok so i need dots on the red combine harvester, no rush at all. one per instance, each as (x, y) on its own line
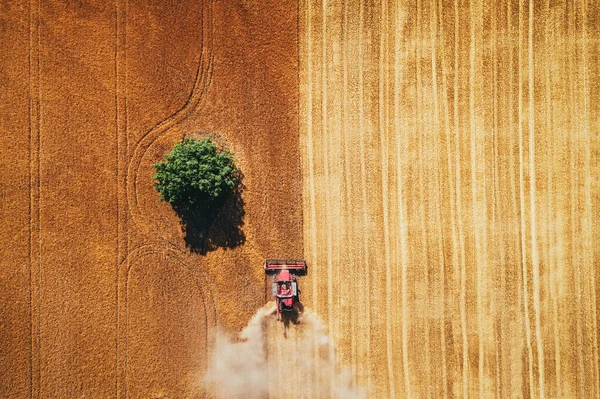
(285, 285)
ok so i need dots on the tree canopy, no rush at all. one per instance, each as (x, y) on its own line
(195, 175)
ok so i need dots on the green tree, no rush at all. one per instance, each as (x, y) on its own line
(196, 176)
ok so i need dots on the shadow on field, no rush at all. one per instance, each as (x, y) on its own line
(218, 227)
(292, 317)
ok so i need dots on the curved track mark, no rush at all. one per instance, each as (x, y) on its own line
(199, 91)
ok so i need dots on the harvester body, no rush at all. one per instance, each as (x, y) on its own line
(285, 282)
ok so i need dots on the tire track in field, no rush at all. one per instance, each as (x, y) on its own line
(140, 214)
(384, 141)
(402, 240)
(532, 198)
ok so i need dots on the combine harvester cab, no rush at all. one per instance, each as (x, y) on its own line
(285, 283)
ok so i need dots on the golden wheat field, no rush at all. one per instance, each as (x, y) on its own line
(436, 162)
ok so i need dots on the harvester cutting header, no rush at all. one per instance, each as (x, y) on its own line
(285, 284)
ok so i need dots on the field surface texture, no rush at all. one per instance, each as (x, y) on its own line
(436, 162)
(451, 200)
(100, 295)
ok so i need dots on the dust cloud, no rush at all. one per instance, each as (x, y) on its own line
(253, 365)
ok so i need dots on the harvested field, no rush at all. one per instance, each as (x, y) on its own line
(436, 163)
(450, 170)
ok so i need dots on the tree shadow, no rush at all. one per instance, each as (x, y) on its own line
(218, 226)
